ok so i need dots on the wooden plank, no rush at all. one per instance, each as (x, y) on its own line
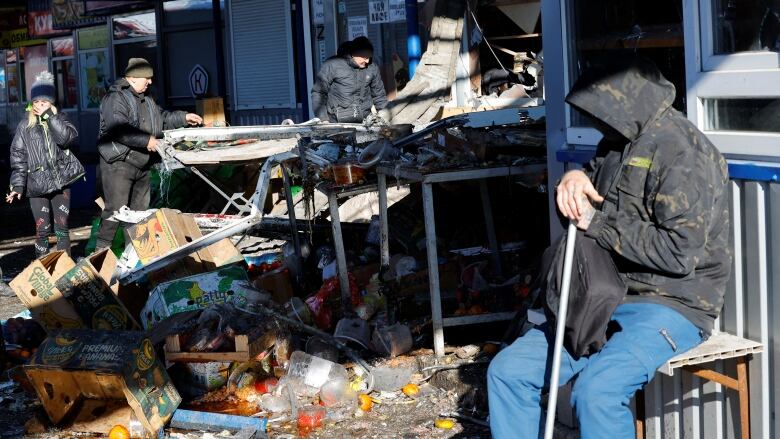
(234, 154)
(711, 375)
(479, 318)
(206, 356)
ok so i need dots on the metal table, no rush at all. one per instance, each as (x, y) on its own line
(335, 194)
(427, 180)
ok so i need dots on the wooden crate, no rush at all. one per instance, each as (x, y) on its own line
(248, 346)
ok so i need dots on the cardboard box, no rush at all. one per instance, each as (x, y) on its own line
(227, 284)
(278, 283)
(212, 110)
(36, 290)
(168, 229)
(86, 287)
(93, 380)
(418, 283)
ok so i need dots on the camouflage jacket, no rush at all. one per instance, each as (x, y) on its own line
(666, 218)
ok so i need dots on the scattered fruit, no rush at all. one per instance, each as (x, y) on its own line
(365, 402)
(490, 348)
(119, 432)
(444, 423)
(410, 390)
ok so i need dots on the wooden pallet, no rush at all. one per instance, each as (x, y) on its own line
(246, 348)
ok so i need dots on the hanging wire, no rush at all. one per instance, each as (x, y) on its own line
(479, 28)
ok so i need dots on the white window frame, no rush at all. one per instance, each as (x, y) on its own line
(739, 75)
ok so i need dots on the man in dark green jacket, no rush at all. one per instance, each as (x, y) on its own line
(348, 85)
(663, 213)
(130, 124)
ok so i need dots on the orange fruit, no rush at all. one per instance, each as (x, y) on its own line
(119, 432)
(489, 348)
(410, 390)
(365, 402)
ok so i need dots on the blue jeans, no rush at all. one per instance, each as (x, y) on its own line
(607, 379)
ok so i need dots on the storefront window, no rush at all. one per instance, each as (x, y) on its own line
(142, 49)
(65, 82)
(186, 12)
(2, 84)
(94, 77)
(605, 31)
(12, 82)
(62, 47)
(745, 25)
(743, 114)
(36, 60)
(93, 65)
(134, 26)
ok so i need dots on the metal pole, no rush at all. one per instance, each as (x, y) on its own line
(384, 244)
(563, 308)
(490, 227)
(433, 270)
(413, 46)
(341, 257)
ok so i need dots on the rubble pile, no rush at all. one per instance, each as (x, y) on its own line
(254, 335)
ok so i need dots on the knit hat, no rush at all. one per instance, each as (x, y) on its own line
(43, 88)
(360, 44)
(139, 68)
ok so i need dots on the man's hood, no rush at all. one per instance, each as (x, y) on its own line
(627, 100)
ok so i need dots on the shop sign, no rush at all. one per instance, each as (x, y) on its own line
(94, 38)
(199, 81)
(377, 11)
(318, 12)
(397, 10)
(39, 24)
(13, 17)
(356, 27)
(18, 38)
(70, 13)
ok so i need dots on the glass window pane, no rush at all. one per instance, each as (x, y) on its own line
(62, 47)
(605, 31)
(745, 25)
(134, 26)
(93, 38)
(12, 81)
(2, 83)
(746, 114)
(36, 60)
(183, 12)
(65, 83)
(144, 49)
(94, 78)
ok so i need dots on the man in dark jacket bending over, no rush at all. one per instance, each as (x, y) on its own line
(348, 85)
(130, 124)
(666, 223)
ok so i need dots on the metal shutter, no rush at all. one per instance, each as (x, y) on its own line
(261, 41)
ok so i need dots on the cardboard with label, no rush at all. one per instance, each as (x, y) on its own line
(168, 229)
(86, 287)
(93, 380)
(35, 288)
(227, 284)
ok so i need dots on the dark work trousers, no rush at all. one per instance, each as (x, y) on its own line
(54, 205)
(123, 185)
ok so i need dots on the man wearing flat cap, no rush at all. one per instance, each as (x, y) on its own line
(130, 124)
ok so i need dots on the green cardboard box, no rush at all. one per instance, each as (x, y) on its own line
(86, 287)
(228, 284)
(93, 380)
